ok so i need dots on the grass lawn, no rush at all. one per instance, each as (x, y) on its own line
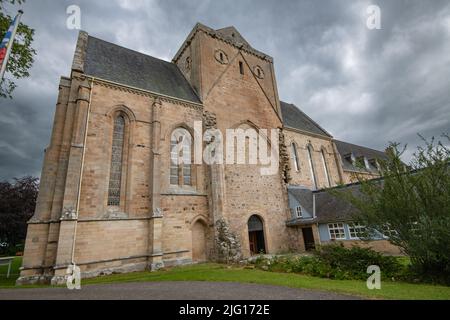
(11, 281)
(217, 272)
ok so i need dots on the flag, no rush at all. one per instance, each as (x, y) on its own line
(8, 40)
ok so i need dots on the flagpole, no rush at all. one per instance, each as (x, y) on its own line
(8, 51)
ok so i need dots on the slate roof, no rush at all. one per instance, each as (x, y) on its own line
(330, 208)
(345, 148)
(111, 62)
(293, 117)
(303, 196)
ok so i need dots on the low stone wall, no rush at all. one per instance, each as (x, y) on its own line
(382, 246)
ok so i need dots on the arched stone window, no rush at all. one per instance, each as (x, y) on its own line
(258, 71)
(115, 175)
(181, 157)
(325, 166)
(295, 157)
(311, 165)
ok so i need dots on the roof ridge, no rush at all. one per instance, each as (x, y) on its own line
(358, 145)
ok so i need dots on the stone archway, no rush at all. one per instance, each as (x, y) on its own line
(199, 241)
(256, 235)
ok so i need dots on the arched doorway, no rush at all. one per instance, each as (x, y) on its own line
(199, 241)
(256, 235)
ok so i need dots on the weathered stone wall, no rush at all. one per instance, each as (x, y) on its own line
(351, 177)
(383, 246)
(98, 241)
(303, 175)
(180, 213)
(244, 100)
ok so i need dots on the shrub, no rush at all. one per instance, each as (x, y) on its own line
(352, 263)
(336, 262)
(412, 202)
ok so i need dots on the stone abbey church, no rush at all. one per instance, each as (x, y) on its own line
(112, 199)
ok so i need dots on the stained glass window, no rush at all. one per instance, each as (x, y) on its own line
(180, 157)
(115, 178)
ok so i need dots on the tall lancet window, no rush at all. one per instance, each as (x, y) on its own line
(325, 167)
(311, 166)
(295, 157)
(115, 177)
(180, 157)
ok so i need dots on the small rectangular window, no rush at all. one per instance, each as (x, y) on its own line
(388, 232)
(336, 231)
(298, 212)
(356, 231)
(241, 67)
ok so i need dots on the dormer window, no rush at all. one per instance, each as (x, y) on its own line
(374, 163)
(349, 157)
(366, 163)
(360, 162)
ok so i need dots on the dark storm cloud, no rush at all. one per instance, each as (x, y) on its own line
(365, 86)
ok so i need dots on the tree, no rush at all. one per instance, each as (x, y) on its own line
(22, 53)
(17, 203)
(411, 205)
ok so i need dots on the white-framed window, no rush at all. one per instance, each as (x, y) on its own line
(336, 231)
(298, 212)
(295, 157)
(374, 163)
(387, 231)
(356, 231)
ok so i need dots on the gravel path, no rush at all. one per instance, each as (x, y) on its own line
(185, 290)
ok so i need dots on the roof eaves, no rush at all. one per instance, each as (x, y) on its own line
(314, 134)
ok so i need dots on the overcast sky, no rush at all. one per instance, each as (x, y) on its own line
(364, 86)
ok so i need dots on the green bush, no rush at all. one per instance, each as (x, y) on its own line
(352, 263)
(336, 262)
